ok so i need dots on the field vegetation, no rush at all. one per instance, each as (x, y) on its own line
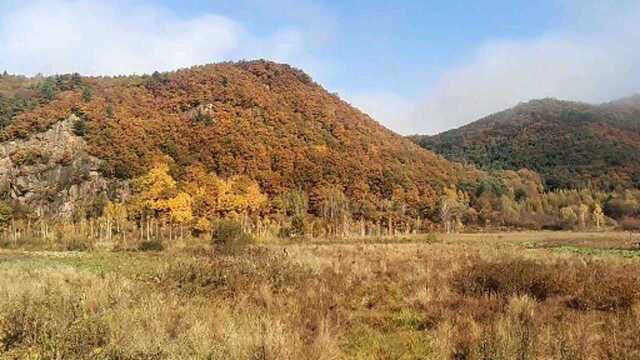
(527, 295)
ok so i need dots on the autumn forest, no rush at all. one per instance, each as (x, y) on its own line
(262, 144)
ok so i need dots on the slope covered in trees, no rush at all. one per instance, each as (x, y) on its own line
(572, 145)
(265, 121)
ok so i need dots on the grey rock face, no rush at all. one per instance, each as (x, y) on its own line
(51, 174)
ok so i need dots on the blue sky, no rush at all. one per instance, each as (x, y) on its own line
(388, 44)
(415, 66)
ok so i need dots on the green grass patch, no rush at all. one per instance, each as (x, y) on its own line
(407, 319)
(597, 252)
(370, 343)
(96, 263)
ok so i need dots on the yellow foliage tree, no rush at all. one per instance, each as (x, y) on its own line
(214, 197)
(202, 196)
(180, 208)
(156, 197)
(598, 216)
(204, 188)
(453, 204)
(569, 216)
(583, 211)
(202, 225)
(333, 206)
(115, 212)
(240, 195)
(152, 191)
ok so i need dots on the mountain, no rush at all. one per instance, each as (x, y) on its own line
(572, 145)
(70, 139)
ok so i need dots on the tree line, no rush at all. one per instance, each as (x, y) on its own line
(161, 208)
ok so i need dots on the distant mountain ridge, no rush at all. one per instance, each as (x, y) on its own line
(571, 144)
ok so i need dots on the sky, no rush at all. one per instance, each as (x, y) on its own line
(416, 66)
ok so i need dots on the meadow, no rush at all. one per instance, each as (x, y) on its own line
(525, 295)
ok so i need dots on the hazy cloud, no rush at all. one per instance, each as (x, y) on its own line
(114, 37)
(390, 109)
(595, 58)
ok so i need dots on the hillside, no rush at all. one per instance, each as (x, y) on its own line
(572, 145)
(267, 121)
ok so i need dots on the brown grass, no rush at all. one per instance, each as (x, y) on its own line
(467, 298)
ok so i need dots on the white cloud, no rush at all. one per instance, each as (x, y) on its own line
(598, 60)
(390, 109)
(114, 37)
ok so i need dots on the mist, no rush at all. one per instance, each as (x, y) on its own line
(594, 58)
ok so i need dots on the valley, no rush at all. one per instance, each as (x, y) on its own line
(240, 211)
(319, 180)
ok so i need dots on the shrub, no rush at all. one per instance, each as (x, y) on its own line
(506, 278)
(204, 118)
(598, 286)
(87, 94)
(619, 208)
(431, 238)
(6, 214)
(583, 286)
(80, 127)
(151, 245)
(229, 236)
(232, 275)
(77, 243)
(296, 229)
(513, 335)
(29, 156)
(630, 224)
(36, 323)
(26, 241)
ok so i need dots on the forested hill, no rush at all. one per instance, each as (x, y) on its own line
(572, 145)
(266, 121)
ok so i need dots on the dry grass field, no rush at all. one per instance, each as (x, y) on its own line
(544, 295)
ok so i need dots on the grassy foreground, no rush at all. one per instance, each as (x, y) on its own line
(488, 296)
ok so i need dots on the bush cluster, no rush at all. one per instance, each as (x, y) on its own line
(580, 284)
(228, 236)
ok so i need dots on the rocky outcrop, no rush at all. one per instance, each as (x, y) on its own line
(51, 174)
